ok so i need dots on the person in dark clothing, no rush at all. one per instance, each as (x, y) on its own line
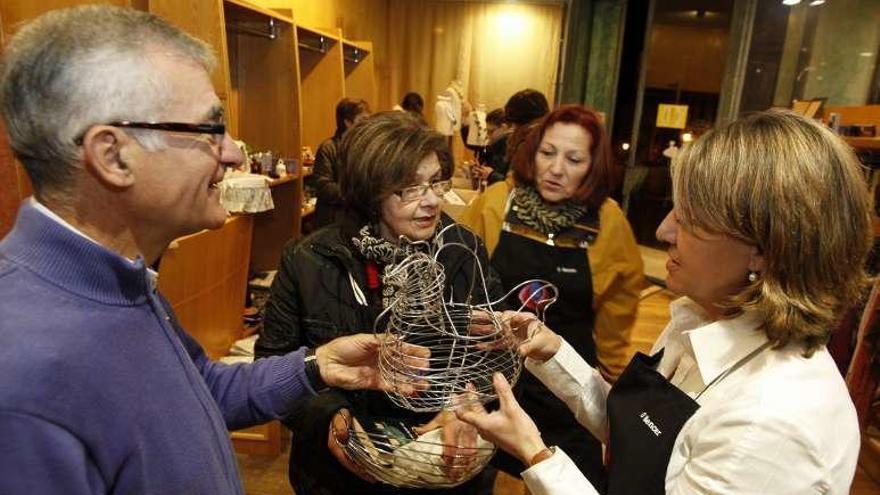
(555, 221)
(521, 109)
(496, 128)
(394, 171)
(413, 102)
(325, 180)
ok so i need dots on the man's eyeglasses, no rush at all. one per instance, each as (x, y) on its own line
(415, 193)
(216, 131)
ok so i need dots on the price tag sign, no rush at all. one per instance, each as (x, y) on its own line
(672, 116)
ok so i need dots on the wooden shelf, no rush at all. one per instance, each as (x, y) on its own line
(204, 278)
(310, 32)
(283, 180)
(355, 52)
(247, 12)
(322, 82)
(863, 143)
(360, 77)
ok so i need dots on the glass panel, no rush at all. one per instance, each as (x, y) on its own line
(687, 50)
(813, 50)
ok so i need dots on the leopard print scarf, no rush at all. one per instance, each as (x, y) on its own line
(380, 250)
(544, 217)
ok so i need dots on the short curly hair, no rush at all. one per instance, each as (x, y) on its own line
(789, 186)
(381, 154)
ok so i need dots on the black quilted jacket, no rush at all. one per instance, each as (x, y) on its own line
(311, 302)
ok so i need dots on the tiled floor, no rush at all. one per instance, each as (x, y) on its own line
(268, 476)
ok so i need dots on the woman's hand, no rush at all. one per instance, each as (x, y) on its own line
(484, 171)
(510, 428)
(337, 437)
(532, 338)
(459, 441)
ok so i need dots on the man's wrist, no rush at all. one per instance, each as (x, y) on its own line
(313, 371)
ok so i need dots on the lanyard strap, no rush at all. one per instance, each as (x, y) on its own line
(735, 367)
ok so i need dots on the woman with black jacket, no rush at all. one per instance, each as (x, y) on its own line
(394, 172)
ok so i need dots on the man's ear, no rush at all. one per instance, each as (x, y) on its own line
(107, 152)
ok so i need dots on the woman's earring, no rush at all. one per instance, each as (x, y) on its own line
(753, 277)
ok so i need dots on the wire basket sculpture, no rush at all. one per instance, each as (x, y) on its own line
(459, 370)
(390, 451)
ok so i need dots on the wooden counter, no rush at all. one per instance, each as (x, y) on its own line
(204, 277)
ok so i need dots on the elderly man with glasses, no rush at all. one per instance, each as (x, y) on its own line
(112, 113)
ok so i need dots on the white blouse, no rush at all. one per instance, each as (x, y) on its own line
(780, 424)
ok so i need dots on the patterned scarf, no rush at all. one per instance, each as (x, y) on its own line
(382, 252)
(544, 217)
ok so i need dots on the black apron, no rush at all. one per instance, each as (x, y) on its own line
(645, 414)
(523, 254)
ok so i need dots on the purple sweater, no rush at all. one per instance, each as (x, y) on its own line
(100, 389)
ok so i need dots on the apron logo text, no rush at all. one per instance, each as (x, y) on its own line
(650, 424)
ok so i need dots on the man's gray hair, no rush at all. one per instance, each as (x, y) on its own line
(73, 68)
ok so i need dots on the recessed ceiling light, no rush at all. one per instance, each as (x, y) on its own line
(816, 2)
(790, 2)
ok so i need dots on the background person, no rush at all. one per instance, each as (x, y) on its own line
(394, 173)
(325, 177)
(555, 221)
(522, 108)
(767, 241)
(414, 103)
(93, 360)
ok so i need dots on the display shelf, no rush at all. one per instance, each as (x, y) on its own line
(321, 81)
(360, 77)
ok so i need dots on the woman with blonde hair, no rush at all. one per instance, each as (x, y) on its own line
(767, 240)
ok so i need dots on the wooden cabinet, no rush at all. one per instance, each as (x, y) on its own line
(322, 82)
(360, 77)
(204, 277)
(200, 18)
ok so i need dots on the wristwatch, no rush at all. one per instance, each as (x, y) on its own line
(313, 372)
(542, 455)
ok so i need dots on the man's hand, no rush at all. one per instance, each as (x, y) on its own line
(510, 428)
(337, 437)
(352, 363)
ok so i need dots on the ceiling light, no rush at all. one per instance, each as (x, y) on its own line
(816, 2)
(790, 2)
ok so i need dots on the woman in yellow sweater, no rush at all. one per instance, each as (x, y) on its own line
(554, 220)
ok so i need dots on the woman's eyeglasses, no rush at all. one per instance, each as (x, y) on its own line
(414, 193)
